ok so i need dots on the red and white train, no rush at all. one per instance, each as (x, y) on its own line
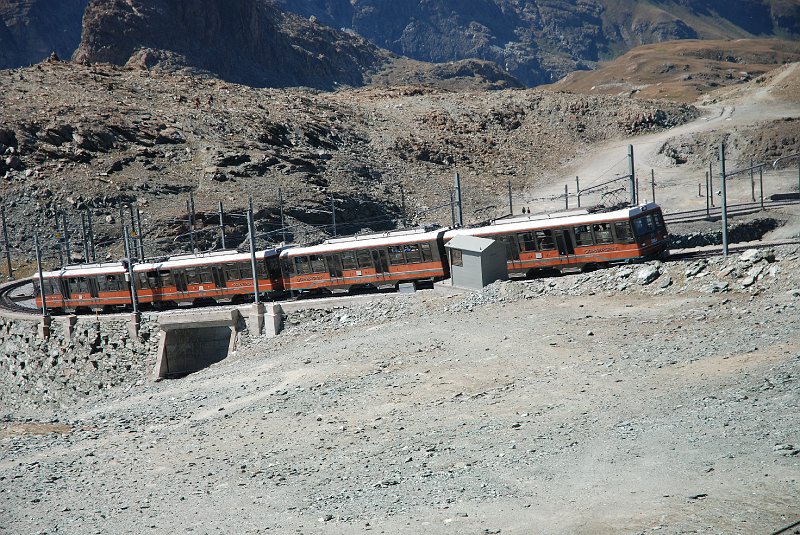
(534, 244)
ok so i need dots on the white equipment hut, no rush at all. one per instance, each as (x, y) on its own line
(476, 262)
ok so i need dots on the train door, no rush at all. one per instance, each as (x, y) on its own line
(512, 250)
(334, 264)
(216, 276)
(180, 280)
(381, 262)
(564, 244)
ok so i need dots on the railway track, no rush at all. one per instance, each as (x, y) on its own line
(689, 216)
(17, 296)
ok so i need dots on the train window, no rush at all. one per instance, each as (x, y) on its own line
(232, 272)
(302, 266)
(583, 235)
(166, 278)
(545, 239)
(659, 218)
(152, 279)
(246, 270)
(396, 255)
(456, 257)
(317, 264)
(191, 276)
(425, 249)
(349, 260)
(643, 225)
(526, 241)
(602, 233)
(413, 255)
(364, 258)
(623, 231)
(205, 274)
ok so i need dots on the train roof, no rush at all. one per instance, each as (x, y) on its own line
(86, 270)
(368, 241)
(217, 257)
(556, 220)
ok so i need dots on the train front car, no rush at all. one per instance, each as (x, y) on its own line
(376, 260)
(87, 287)
(222, 277)
(577, 241)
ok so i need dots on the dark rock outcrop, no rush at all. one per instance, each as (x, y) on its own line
(248, 41)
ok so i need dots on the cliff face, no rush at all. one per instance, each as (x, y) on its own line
(542, 40)
(248, 41)
(31, 29)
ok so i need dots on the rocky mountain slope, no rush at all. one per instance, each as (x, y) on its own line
(98, 137)
(540, 41)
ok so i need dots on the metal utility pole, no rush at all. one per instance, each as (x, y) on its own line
(632, 175)
(752, 182)
(578, 190)
(459, 207)
(190, 211)
(566, 197)
(761, 184)
(251, 234)
(91, 234)
(724, 200)
(510, 200)
(333, 216)
(708, 199)
(66, 237)
(653, 183)
(134, 296)
(39, 270)
(59, 240)
(283, 219)
(222, 224)
(8, 249)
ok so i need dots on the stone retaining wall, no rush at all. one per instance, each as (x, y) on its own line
(63, 368)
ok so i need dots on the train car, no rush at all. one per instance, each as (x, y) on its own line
(221, 276)
(578, 241)
(377, 260)
(94, 286)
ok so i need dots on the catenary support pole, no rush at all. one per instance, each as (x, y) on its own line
(403, 206)
(566, 197)
(724, 199)
(222, 224)
(59, 240)
(283, 217)
(761, 185)
(452, 210)
(5, 243)
(85, 239)
(39, 271)
(190, 210)
(632, 175)
(752, 181)
(91, 234)
(139, 233)
(254, 272)
(132, 280)
(66, 237)
(459, 205)
(333, 216)
(578, 190)
(653, 183)
(711, 181)
(510, 200)
(708, 200)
